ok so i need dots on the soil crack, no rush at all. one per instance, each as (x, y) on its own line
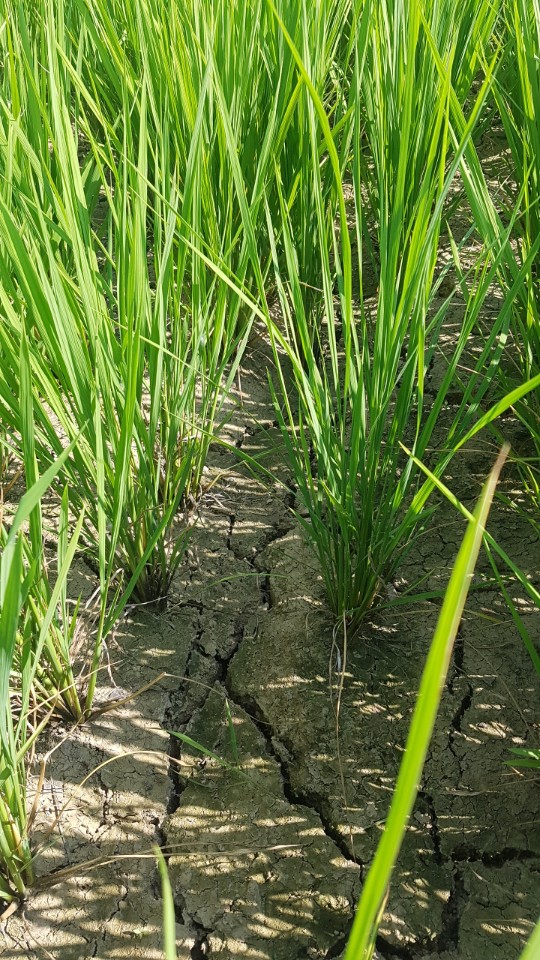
(266, 593)
(451, 915)
(456, 725)
(278, 532)
(277, 751)
(121, 899)
(387, 949)
(232, 521)
(201, 947)
(466, 854)
(458, 657)
(104, 789)
(434, 831)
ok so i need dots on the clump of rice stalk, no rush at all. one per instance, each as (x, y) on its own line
(131, 343)
(118, 351)
(359, 388)
(28, 634)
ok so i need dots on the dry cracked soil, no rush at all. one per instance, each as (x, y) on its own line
(270, 831)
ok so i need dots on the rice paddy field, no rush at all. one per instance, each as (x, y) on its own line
(269, 479)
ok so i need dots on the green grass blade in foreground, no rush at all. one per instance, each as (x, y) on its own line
(532, 950)
(421, 729)
(169, 921)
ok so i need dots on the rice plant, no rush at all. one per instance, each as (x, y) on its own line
(363, 500)
(118, 355)
(31, 648)
(124, 352)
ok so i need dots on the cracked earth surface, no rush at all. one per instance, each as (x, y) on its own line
(269, 834)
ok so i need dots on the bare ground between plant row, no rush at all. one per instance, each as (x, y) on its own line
(268, 850)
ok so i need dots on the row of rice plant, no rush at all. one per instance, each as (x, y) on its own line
(124, 309)
(169, 172)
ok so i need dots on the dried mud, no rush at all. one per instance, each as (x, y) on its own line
(269, 834)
